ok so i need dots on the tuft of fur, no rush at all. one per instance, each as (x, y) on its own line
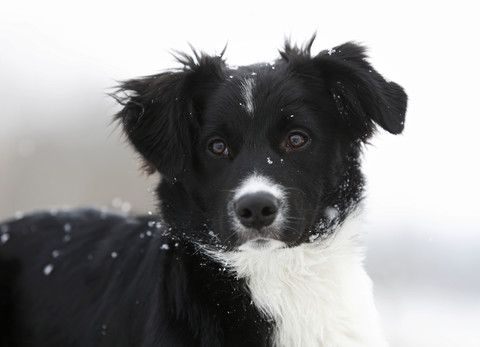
(318, 294)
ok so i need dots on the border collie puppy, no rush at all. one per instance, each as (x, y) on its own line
(255, 242)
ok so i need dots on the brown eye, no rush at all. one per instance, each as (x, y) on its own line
(297, 140)
(218, 147)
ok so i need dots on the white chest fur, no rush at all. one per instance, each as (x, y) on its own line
(317, 294)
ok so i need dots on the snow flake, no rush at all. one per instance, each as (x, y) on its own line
(117, 202)
(4, 238)
(126, 207)
(47, 270)
(331, 213)
(104, 329)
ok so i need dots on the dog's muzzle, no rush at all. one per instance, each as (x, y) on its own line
(258, 211)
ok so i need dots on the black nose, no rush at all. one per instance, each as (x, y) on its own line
(257, 210)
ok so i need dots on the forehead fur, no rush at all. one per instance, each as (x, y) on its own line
(199, 59)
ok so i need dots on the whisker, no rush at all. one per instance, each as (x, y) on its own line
(295, 189)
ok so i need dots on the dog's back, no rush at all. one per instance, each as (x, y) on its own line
(93, 278)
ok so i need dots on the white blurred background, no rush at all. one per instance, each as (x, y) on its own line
(58, 147)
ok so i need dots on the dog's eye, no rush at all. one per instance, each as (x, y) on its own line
(297, 140)
(218, 147)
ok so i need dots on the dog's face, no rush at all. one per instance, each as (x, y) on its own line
(265, 155)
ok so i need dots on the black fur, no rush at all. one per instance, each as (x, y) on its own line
(91, 278)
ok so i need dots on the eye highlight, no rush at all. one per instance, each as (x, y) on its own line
(218, 147)
(297, 139)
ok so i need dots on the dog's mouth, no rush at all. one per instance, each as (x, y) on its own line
(261, 244)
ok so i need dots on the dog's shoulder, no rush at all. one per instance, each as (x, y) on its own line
(106, 271)
(90, 266)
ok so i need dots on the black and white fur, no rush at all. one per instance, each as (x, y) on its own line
(255, 242)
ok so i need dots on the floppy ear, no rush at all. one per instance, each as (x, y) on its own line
(361, 94)
(154, 120)
(160, 113)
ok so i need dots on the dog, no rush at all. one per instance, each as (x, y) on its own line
(255, 242)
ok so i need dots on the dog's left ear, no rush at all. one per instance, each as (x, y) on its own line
(361, 94)
(154, 120)
(160, 113)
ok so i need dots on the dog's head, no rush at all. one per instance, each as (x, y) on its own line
(266, 154)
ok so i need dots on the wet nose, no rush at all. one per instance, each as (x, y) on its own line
(257, 210)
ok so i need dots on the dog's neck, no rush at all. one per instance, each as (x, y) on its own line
(317, 294)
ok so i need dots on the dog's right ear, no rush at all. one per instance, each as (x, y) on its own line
(160, 112)
(362, 96)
